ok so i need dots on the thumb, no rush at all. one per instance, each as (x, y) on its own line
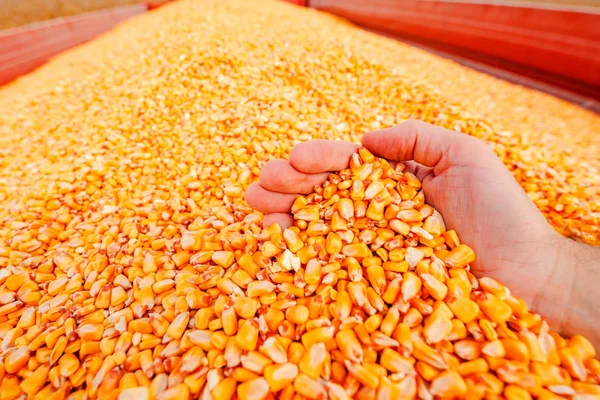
(426, 144)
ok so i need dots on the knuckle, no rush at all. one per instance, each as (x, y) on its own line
(269, 171)
(251, 194)
(311, 156)
(297, 152)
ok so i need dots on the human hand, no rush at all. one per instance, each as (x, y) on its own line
(468, 184)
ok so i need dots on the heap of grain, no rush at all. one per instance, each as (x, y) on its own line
(131, 266)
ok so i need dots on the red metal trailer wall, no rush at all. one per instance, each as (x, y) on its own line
(561, 47)
(554, 45)
(25, 48)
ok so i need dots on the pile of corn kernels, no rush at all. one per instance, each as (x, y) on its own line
(131, 267)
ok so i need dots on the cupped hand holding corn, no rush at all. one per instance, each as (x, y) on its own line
(463, 179)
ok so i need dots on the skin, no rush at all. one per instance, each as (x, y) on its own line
(464, 179)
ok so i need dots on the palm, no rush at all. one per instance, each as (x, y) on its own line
(481, 201)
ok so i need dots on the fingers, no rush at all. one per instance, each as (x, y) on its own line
(281, 181)
(267, 201)
(318, 156)
(275, 206)
(279, 176)
(426, 144)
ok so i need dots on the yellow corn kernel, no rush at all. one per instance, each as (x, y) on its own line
(513, 392)
(274, 349)
(260, 288)
(257, 388)
(255, 362)
(437, 328)
(394, 362)
(570, 358)
(280, 376)
(583, 346)
(448, 383)
(34, 382)
(307, 253)
(451, 238)
(550, 374)
(178, 325)
(245, 307)
(247, 336)
(496, 309)
(411, 285)
(358, 250)
(313, 360)
(476, 366)
(311, 388)
(299, 203)
(349, 345)
(460, 256)
(426, 371)
(363, 373)
(463, 308)
(297, 314)
(425, 353)
(436, 289)
(493, 349)
(307, 213)
(322, 334)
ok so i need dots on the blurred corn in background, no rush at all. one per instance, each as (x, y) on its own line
(126, 245)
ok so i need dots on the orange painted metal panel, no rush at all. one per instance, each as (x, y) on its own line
(25, 48)
(558, 46)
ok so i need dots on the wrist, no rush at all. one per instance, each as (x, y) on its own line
(568, 299)
(555, 297)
